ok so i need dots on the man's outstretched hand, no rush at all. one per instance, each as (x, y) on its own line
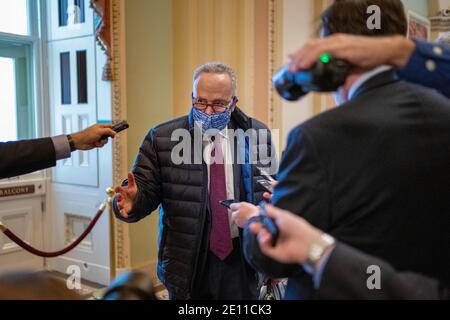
(126, 195)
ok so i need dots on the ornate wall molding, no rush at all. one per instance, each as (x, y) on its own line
(441, 22)
(119, 112)
(275, 16)
(321, 101)
(247, 80)
(103, 32)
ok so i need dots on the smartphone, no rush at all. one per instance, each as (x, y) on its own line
(228, 203)
(118, 127)
(266, 185)
(266, 175)
(269, 224)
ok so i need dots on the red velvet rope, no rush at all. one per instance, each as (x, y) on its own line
(43, 254)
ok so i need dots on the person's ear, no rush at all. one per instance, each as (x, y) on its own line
(234, 103)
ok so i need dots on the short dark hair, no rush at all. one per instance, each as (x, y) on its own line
(350, 17)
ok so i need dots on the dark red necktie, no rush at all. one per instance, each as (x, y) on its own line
(220, 240)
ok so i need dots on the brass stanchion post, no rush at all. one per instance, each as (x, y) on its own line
(98, 294)
(112, 236)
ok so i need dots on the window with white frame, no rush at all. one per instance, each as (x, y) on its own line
(72, 74)
(18, 40)
(14, 17)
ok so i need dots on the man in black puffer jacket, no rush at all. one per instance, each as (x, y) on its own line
(200, 254)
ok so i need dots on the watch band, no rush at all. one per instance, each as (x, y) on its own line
(317, 250)
(71, 143)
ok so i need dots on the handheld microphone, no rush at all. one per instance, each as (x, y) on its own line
(118, 127)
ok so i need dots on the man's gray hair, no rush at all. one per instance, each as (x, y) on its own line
(216, 68)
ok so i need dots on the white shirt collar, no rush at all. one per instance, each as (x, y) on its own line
(366, 77)
(223, 134)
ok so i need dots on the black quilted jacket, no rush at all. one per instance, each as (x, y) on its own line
(181, 193)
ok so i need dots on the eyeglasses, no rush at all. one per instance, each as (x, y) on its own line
(218, 107)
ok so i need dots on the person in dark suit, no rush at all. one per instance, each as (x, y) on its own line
(340, 272)
(416, 61)
(374, 172)
(21, 157)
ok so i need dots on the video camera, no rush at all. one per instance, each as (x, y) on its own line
(327, 75)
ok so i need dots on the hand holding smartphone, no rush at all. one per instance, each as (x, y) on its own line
(266, 175)
(266, 185)
(228, 203)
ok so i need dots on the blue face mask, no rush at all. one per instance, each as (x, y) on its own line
(218, 121)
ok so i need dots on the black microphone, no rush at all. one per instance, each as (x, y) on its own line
(118, 127)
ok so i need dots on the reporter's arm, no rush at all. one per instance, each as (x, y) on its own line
(62, 147)
(339, 271)
(419, 62)
(345, 276)
(361, 52)
(429, 65)
(22, 157)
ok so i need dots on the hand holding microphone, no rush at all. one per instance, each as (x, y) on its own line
(117, 128)
(95, 136)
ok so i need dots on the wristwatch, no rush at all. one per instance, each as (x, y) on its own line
(317, 250)
(71, 143)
